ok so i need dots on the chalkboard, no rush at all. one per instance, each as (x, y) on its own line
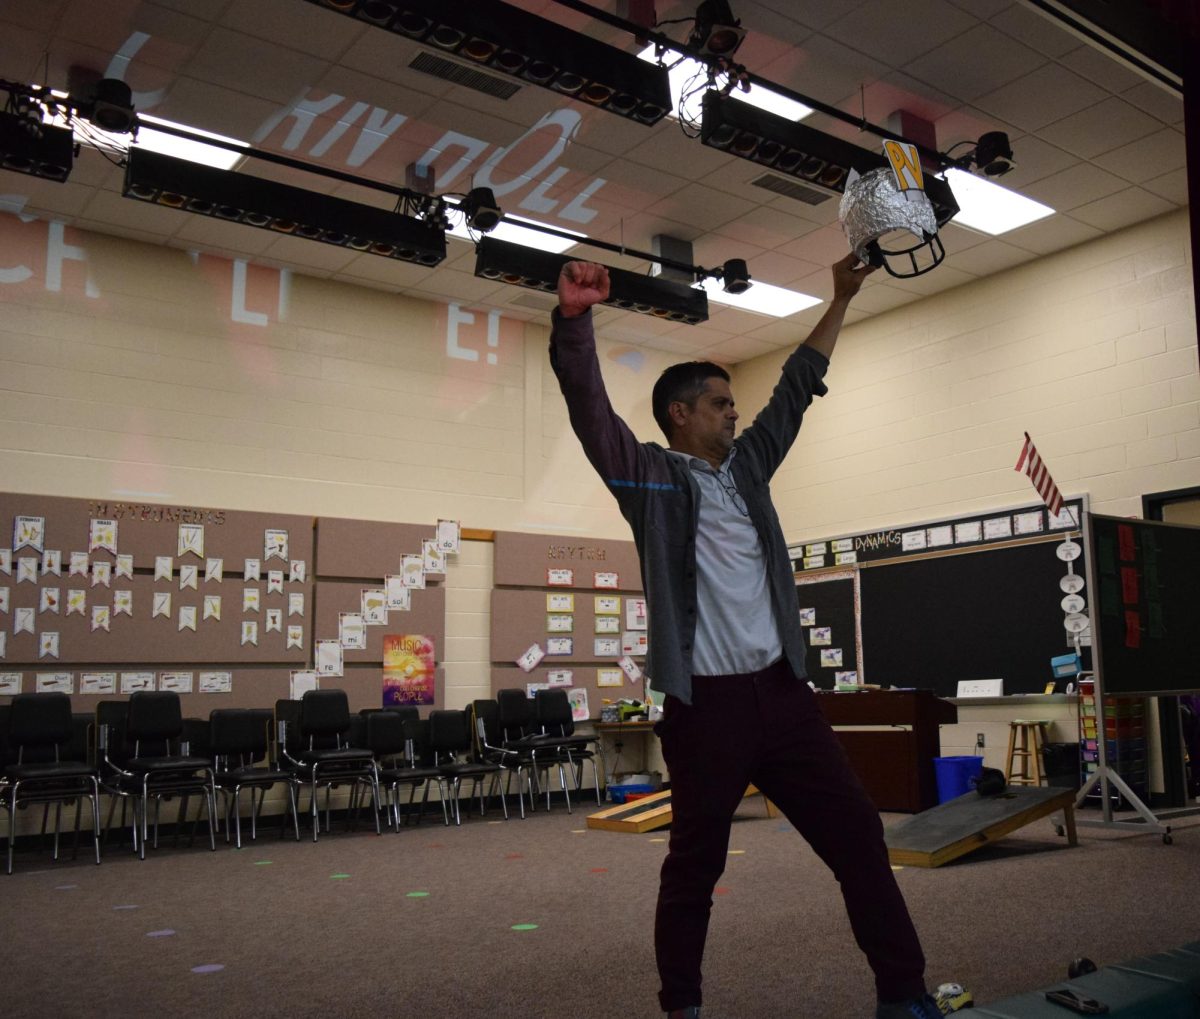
(829, 612)
(1148, 605)
(989, 614)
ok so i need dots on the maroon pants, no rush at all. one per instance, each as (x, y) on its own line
(766, 728)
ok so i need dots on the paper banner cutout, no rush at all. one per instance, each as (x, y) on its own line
(101, 573)
(212, 606)
(214, 569)
(275, 544)
(100, 618)
(252, 570)
(3, 599)
(250, 632)
(191, 540)
(47, 644)
(22, 620)
(3, 652)
(27, 570)
(251, 599)
(123, 602)
(124, 567)
(164, 566)
(29, 532)
(274, 620)
(77, 565)
(6, 560)
(162, 604)
(52, 562)
(49, 599)
(187, 617)
(102, 534)
(448, 536)
(295, 636)
(274, 581)
(298, 571)
(189, 576)
(296, 603)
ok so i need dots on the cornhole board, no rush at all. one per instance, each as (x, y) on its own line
(1165, 986)
(647, 813)
(960, 826)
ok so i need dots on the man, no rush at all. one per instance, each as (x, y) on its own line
(726, 646)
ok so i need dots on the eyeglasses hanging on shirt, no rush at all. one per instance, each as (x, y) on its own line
(732, 494)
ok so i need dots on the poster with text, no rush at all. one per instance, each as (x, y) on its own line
(408, 669)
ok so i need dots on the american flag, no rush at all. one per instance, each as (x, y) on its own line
(1030, 463)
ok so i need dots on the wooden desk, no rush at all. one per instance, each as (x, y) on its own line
(617, 732)
(895, 763)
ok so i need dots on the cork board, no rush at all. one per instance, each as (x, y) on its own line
(369, 549)
(522, 560)
(426, 616)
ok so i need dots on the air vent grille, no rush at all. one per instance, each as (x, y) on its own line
(790, 189)
(448, 70)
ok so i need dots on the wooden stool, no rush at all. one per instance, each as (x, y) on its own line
(1026, 738)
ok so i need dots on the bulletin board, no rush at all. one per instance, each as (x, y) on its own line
(974, 597)
(579, 602)
(830, 614)
(100, 598)
(1148, 605)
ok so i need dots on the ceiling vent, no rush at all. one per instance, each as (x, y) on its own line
(468, 77)
(790, 189)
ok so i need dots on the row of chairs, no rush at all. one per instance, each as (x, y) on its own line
(142, 751)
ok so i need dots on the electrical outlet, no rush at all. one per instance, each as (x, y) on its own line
(979, 740)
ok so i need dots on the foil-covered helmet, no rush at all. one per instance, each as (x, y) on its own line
(881, 222)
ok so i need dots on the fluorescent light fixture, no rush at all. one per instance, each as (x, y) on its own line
(688, 69)
(762, 298)
(510, 229)
(193, 150)
(986, 206)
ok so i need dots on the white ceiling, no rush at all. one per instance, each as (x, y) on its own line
(1100, 144)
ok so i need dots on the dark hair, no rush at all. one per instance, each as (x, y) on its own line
(681, 383)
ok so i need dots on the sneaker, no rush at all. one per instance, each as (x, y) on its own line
(923, 1007)
(951, 997)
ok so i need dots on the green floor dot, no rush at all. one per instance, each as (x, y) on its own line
(338, 877)
(417, 895)
(524, 927)
(262, 863)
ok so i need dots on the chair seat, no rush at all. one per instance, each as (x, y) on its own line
(159, 765)
(408, 774)
(251, 776)
(48, 770)
(465, 769)
(341, 755)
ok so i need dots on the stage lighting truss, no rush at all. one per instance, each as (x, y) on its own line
(520, 266)
(818, 159)
(255, 201)
(514, 42)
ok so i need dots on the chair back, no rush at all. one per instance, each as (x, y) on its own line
(230, 734)
(486, 713)
(152, 720)
(416, 738)
(110, 726)
(385, 734)
(553, 712)
(324, 718)
(39, 724)
(449, 733)
(515, 714)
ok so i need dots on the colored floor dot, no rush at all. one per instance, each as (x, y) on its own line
(578, 831)
(338, 877)
(599, 870)
(263, 863)
(124, 907)
(737, 852)
(495, 822)
(894, 867)
(524, 927)
(64, 888)
(720, 891)
(513, 856)
(209, 967)
(658, 840)
(166, 933)
(417, 895)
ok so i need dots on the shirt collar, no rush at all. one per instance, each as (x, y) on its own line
(699, 463)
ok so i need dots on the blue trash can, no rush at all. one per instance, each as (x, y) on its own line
(954, 775)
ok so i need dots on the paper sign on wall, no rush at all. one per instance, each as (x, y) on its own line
(56, 682)
(448, 536)
(216, 682)
(102, 534)
(530, 657)
(275, 544)
(52, 562)
(409, 669)
(122, 602)
(177, 682)
(98, 683)
(329, 658)
(133, 682)
(102, 574)
(301, 682)
(412, 569)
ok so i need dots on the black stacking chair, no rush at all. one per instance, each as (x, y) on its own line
(318, 752)
(552, 711)
(238, 739)
(391, 738)
(513, 758)
(519, 725)
(39, 737)
(451, 742)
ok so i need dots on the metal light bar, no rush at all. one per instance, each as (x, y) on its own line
(38, 149)
(512, 41)
(239, 198)
(820, 160)
(538, 270)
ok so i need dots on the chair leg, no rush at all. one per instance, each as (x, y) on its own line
(210, 795)
(95, 798)
(12, 822)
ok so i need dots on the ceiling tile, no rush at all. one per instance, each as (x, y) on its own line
(206, 233)
(701, 206)
(978, 61)
(1034, 159)
(1098, 66)
(1147, 157)
(1052, 234)
(300, 252)
(667, 149)
(991, 257)
(1129, 206)
(1157, 101)
(735, 349)
(1042, 33)
(1100, 128)
(898, 41)
(1172, 186)
(1041, 97)
(278, 21)
(1074, 186)
(262, 69)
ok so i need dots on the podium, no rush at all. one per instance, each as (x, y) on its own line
(892, 738)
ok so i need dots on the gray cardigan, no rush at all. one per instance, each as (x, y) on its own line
(661, 500)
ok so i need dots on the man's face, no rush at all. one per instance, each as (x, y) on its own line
(707, 429)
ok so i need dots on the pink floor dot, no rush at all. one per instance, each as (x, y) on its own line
(165, 933)
(599, 870)
(211, 967)
(720, 891)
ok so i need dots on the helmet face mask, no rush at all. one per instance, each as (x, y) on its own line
(890, 228)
